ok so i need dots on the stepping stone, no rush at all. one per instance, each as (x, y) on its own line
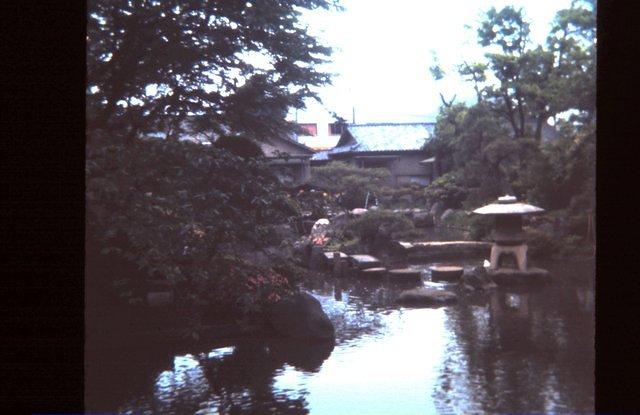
(405, 274)
(426, 297)
(364, 261)
(373, 272)
(329, 255)
(446, 272)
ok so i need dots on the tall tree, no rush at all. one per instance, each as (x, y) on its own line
(243, 64)
(535, 83)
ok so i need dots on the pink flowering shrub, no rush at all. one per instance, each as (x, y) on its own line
(248, 287)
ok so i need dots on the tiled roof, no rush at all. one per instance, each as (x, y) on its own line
(381, 137)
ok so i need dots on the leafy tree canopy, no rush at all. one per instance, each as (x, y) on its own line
(242, 64)
(495, 146)
(535, 82)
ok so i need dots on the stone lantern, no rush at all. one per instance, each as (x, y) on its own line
(508, 236)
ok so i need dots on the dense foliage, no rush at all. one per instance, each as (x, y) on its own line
(371, 223)
(447, 189)
(240, 146)
(172, 208)
(496, 146)
(350, 182)
(316, 204)
(403, 196)
(243, 64)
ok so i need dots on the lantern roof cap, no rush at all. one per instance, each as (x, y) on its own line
(508, 205)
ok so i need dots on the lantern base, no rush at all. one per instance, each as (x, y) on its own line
(510, 276)
(519, 251)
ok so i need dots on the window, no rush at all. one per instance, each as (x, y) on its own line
(309, 129)
(336, 128)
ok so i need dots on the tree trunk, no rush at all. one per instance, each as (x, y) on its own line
(539, 122)
(521, 114)
(510, 114)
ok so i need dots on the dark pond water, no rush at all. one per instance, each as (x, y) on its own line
(525, 350)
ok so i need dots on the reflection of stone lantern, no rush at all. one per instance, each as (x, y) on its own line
(508, 236)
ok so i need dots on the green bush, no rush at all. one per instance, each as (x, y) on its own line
(350, 182)
(448, 190)
(246, 287)
(366, 226)
(168, 207)
(318, 203)
(393, 195)
(457, 219)
(541, 244)
(480, 227)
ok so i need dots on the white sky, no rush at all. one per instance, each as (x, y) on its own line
(383, 50)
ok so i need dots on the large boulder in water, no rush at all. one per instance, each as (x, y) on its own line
(301, 317)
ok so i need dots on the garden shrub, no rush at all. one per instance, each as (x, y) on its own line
(246, 287)
(541, 244)
(350, 182)
(319, 204)
(366, 226)
(458, 219)
(391, 195)
(448, 190)
(480, 227)
(168, 207)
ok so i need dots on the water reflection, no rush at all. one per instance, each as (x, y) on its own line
(234, 380)
(519, 350)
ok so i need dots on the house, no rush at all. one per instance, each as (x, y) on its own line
(396, 146)
(290, 159)
(320, 135)
(319, 127)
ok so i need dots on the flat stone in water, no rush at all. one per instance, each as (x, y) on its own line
(446, 272)
(373, 272)
(364, 261)
(426, 297)
(405, 274)
(329, 255)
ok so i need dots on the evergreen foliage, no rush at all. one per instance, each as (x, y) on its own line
(351, 182)
(495, 146)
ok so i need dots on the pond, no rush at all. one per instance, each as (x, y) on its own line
(514, 350)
